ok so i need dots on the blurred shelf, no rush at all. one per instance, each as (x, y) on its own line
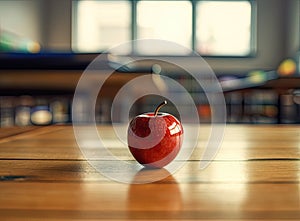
(67, 80)
(283, 83)
(57, 80)
(275, 101)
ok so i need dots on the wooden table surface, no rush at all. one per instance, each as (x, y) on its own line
(255, 175)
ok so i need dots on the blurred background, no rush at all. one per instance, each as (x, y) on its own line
(252, 46)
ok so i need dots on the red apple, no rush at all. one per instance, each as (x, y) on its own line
(154, 139)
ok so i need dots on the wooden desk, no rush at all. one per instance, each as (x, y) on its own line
(254, 176)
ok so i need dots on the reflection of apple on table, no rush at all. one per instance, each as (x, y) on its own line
(154, 139)
(165, 191)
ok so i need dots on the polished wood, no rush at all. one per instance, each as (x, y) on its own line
(11, 131)
(255, 175)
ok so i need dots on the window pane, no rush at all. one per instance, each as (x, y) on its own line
(223, 28)
(99, 25)
(166, 20)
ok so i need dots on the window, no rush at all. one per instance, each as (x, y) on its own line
(210, 27)
(156, 20)
(223, 28)
(100, 25)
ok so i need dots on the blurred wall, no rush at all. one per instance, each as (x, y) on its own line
(292, 26)
(56, 16)
(21, 17)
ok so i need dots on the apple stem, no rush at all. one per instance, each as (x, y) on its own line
(158, 107)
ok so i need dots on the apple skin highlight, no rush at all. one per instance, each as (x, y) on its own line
(154, 140)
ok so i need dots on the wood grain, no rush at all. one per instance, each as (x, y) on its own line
(44, 176)
(12, 131)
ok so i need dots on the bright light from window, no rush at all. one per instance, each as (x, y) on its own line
(100, 25)
(224, 28)
(165, 20)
